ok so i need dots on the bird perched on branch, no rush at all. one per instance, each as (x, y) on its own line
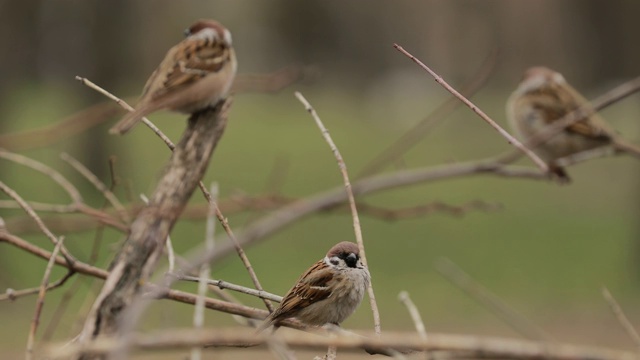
(544, 97)
(328, 292)
(195, 74)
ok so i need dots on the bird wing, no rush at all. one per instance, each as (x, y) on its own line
(312, 287)
(591, 126)
(188, 62)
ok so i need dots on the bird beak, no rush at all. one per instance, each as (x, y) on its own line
(351, 260)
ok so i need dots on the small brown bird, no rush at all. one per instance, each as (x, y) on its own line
(544, 97)
(328, 292)
(195, 74)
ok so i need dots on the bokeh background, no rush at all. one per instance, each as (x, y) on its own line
(547, 252)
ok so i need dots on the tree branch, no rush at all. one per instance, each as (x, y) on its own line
(137, 259)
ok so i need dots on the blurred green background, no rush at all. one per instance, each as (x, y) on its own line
(547, 252)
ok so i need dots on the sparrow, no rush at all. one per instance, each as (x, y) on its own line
(544, 97)
(328, 292)
(195, 74)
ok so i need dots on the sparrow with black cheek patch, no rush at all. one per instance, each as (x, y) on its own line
(195, 74)
(328, 292)
(544, 97)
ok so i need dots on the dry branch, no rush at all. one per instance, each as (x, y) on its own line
(220, 284)
(621, 317)
(40, 302)
(476, 291)
(180, 296)
(76, 265)
(244, 203)
(12, 295)
(99, 185)
(352, 203)
(299, 209)
(45, 230)
(455, 346)
(48, 135)
(137, 259)
(205, 269)
(512, 140)
(418, 131)
(414, 313)
(223, 220)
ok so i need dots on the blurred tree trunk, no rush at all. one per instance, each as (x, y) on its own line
(17, 36)
(610, 26)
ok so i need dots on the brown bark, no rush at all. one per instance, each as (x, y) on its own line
(137, 259)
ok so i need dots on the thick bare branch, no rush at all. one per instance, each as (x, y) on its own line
(137, 259)
(336, 196)
(457, 346)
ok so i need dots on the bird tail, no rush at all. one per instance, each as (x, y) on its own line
(265, 325)
(129, 121)
(621, 145)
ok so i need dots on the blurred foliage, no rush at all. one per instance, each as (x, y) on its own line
(547, 253)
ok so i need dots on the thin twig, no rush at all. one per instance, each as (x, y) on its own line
(40, 301)
(13, 295)
(286, 215)
(198, 312)
(418, 131)
(74, 194)
(38, 206)
(77, 201)
(180, 296)
(127, 107)
(239, 250)
(65, 300)
(226, 296)
(621, 317)
(476, 291)
(272, 82)
(227, 285)
(404, 298)
(352, 203)
(52, 133)
(76, 265)
(414, 313)
(99, 185)
(25, 206)
(244, 203)
(63, 304)
(512, 140)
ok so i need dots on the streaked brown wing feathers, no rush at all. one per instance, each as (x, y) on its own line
(310, 288)
(197, 59)
(556, 105)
